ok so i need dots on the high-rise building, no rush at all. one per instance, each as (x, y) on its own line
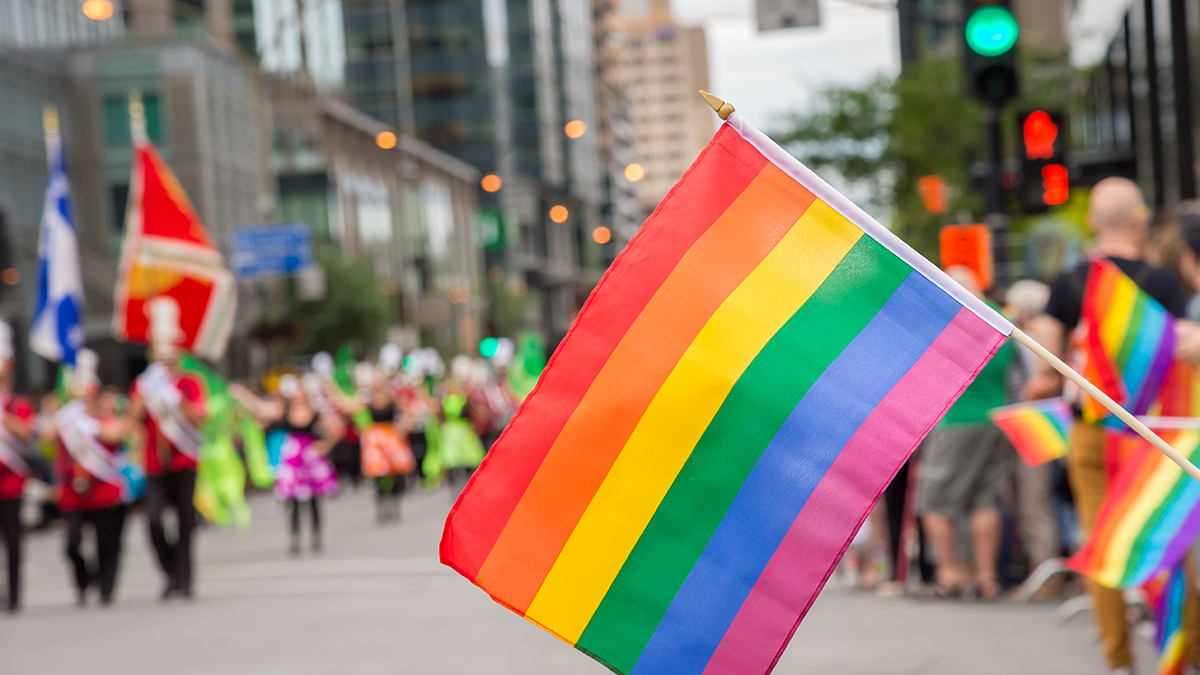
(665, 66)
(510, 87)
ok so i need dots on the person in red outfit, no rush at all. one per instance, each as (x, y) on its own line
(92, 487)
(16, 428)
(171, 406)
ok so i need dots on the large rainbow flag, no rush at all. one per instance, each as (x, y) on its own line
(167, 251)
(1037, 429)
(1129, 341)
(734, 396)
(1165, 597)
(1150, 515)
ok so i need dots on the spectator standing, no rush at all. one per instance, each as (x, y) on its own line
(963, 470)
(1119, 217)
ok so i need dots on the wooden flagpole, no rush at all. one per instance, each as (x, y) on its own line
(1094, 391)
(724, 110)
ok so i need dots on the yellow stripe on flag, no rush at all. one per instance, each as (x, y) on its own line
(681, 411)
(1133, 521)
(1116, 322)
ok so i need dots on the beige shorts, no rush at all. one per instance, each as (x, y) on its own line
(963, 469)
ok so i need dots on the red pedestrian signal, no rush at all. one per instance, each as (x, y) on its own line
(1056, 184)
(1040, 134)
(1045, 178)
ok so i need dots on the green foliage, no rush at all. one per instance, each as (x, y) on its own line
(885, 135)
(353, 309)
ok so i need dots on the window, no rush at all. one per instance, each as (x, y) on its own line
(116, 120)
(119, 198)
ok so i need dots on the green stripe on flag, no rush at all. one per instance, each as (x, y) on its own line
(749, 418)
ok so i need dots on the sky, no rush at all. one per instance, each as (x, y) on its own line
(767, 75)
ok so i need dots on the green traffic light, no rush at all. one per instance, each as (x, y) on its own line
(991, 31)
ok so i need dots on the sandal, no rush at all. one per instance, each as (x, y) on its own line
(940, 591)
(989, 591)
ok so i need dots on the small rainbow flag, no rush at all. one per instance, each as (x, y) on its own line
(1038, 429)
(1165, 596)
(1150, 515)
(1129, 341)
(733, 398)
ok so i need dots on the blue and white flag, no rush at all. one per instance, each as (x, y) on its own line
(57, 329)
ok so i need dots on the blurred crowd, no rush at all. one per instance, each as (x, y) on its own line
(183, 440)
(966, 518)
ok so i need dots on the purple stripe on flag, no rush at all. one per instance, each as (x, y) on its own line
(827, 523)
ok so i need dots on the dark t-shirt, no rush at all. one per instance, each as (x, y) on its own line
(1066, 294)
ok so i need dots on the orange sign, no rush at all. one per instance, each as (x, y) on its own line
(969, 246)
(934, 193)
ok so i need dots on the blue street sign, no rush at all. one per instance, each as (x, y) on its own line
(264, 251)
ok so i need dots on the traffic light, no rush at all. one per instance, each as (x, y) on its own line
(1045, 180)
(990, 32)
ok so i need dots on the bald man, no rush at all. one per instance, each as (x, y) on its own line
(1119, 217)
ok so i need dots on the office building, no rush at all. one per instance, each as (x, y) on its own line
(410, 210)
(510, 88)
(665, 66)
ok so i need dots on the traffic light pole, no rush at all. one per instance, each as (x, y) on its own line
(996, 218)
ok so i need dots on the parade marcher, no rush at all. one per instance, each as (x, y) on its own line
(305, 474)
(962, 473)
(458, 448)
(93, 487)
(386, 456)
(1119, 216)
(16, 430)
(171, 405)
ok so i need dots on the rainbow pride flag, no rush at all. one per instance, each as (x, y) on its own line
(1129, 341)
(1165, 596)
(1038, 429)
(734, 396)
(1150, 515)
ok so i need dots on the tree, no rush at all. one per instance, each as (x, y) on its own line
(883, 136)
(352, 311)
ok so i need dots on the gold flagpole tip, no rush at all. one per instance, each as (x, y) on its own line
(50, 119)
(723, 109)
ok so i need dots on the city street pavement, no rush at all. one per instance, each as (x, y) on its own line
(377, 601)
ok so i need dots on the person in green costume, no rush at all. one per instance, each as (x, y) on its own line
(221, 476)
(458, 448)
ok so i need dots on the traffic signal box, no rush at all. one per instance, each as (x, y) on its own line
(990, 32)
(969, 246)
(1045, 180)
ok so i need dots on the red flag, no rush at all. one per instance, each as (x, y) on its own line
(168, 252)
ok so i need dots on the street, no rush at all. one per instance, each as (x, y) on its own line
(377, 601)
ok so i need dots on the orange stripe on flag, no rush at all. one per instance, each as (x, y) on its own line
(567, 479)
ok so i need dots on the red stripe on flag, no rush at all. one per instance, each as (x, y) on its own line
(704, 193)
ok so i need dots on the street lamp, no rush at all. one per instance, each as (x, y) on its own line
(385, 140)
(491, 183)
(97, 10)
(559, 213)
(635, 172)
(575, 128)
